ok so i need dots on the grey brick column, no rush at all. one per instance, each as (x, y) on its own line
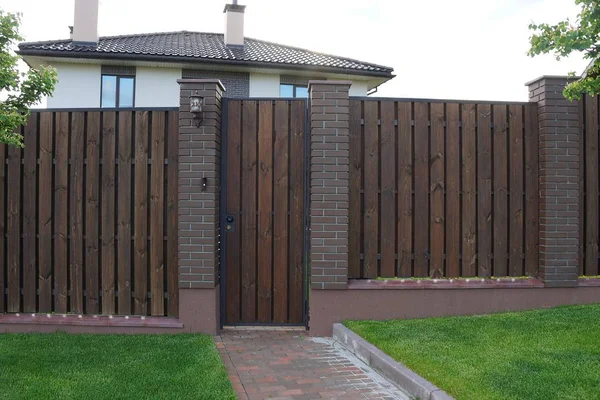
(329, 168)
(199, 157)
(558, 122)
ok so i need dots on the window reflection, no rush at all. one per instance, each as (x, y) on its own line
(109, 91)
(286, 90)
(125, 92)
(289, 90)
(301, 91)
(117, 91)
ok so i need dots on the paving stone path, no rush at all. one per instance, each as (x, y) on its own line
(287, 364)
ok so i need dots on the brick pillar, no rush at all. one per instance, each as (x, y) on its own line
(559, 129)
(329, 162)
(199, 157)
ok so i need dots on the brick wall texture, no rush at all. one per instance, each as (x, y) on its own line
(237, 83)
(199, 157)
(559, 129)
(329, 174)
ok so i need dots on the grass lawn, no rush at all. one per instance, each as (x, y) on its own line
(61, 366)
(542, 354)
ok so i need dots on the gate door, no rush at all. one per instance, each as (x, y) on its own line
(263, 217)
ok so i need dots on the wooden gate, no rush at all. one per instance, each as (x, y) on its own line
(263, 204)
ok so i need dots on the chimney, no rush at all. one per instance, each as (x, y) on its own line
(234, 24)
(85, 25)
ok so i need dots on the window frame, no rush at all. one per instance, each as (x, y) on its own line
(294, 89)
(118, 77)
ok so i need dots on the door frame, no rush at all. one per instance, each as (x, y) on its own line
(223, 213)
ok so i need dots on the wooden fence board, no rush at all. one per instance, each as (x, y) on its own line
(421, 233)
(29, 214)
(124, 212)
(516, 210)
(92, 204)
(234, 259)
(500, 189)
(296, 274)
(45, 213)
(2, 227)
(67, 196)
(452, 215)
(371, 189)
(582, 174)
(484, 190)
(13, 225)
(405, 189)
(265, 207)
(108, 211)
(469, 189)
(172, 214)
(249, 208)
(436, 189)
(140, 212)
(531, 191)
(280, 209)
(592, 187)
(157, 300)
(388, 188)
(465, 197)
(76, 213)
(61, 202)
(354, 188)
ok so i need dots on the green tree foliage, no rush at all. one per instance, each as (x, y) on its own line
(18, 90)
(564, 38)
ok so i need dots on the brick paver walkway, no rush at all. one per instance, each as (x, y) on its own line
(271, 364)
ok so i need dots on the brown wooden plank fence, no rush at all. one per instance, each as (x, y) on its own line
(443, 189)
(88, 214)
(589, 186)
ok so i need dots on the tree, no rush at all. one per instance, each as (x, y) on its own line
(564, 38)
(19, 90)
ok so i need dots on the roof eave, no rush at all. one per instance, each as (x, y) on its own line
(149, 57)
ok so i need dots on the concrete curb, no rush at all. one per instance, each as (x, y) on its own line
(397, 373)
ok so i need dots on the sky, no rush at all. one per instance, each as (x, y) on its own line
(444, 49)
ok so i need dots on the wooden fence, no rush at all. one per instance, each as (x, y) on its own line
(443, 189)
(589, 186)
(88, 214)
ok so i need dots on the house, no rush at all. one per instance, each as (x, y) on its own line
(141, 70)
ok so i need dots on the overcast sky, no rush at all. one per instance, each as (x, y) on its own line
(460, 49)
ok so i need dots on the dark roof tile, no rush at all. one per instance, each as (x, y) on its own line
(201, 46)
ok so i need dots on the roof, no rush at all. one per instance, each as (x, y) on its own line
(591, 70)
(202, 47)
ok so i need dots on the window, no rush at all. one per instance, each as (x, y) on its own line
(117, 91)
(289, 90)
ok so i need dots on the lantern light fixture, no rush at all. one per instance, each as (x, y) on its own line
(196, 108)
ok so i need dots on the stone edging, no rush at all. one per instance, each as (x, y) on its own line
(405, 378)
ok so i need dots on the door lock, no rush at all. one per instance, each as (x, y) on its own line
(230, 226)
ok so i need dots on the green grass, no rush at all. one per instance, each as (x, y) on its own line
(61, 366)
(542, 354)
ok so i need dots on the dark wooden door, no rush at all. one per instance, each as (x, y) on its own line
(263, 221)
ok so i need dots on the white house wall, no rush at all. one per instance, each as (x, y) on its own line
(264, 85)
(78, 86)
(358, 88)
(157, 87)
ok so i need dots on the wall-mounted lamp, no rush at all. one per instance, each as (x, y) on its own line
(196, 108)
